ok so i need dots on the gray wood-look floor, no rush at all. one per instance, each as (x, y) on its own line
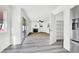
(37, 43)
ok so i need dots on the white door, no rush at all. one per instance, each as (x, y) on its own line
(52, 30)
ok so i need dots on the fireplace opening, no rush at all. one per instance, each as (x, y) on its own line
(35, 30)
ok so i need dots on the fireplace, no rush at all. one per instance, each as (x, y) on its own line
(35, 30)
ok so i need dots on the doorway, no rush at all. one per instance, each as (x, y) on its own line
(57, 29)
(23, 29)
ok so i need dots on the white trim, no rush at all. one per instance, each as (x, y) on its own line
(62, 8)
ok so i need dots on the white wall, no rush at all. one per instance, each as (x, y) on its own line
(16, 25)
(45, 23)
(67, 26)
(45, 27)
(75, 12)
(5, 36)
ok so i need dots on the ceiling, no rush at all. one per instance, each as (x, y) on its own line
(39, 12)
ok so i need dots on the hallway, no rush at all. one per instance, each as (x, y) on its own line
(39, 29)
(36, 43)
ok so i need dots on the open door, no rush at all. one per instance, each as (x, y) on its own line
(52, 30)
